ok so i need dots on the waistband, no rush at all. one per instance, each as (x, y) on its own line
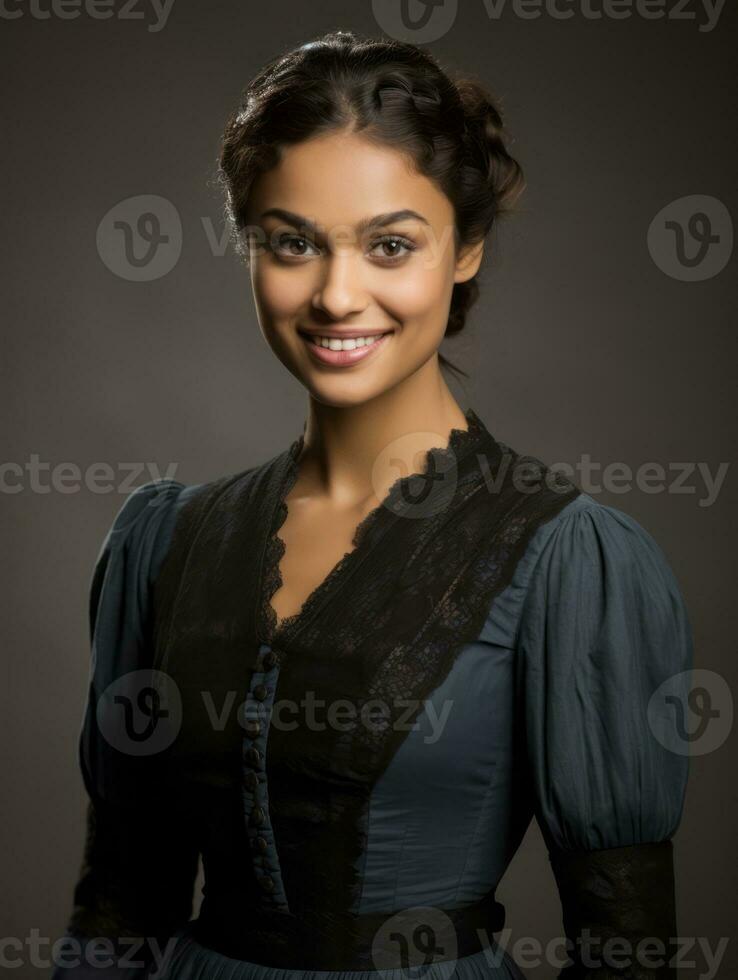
(413, 937)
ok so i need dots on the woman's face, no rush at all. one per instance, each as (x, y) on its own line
(338, 254)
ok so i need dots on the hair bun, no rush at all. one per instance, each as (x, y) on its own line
(487, 139)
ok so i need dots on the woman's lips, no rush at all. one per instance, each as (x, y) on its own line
(344, 358)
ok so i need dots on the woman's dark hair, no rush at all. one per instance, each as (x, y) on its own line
(394, 94)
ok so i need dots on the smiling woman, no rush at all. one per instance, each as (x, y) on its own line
(366, 200)
(395, 565)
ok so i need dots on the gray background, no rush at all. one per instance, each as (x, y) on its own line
(580, 345)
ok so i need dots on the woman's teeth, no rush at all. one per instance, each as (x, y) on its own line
(351, 343)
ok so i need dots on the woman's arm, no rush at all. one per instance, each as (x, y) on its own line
(604, 627)
(135, 885)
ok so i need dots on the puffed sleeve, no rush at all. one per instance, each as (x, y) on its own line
(604, 636)
(135, 884)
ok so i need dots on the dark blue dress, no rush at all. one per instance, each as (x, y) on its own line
(591, 625)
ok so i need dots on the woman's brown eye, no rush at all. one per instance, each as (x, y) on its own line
(396, 246)
(293, 245)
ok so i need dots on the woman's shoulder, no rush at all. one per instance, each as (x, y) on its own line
(150, 500)
(596, 562)
(587, 530)
(152, 509)
(134, 547)
(143, 525)
(588, 553)
(590, 534)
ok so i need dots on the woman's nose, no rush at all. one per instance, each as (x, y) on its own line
(342, 289)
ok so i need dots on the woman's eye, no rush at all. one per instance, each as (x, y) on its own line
(394, 245)
(292, 245)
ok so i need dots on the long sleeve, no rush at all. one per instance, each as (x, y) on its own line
(604, 635)
(135, 885)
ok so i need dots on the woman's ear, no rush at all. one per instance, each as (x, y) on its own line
(468, 261)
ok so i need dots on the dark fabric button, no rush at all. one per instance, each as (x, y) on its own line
(257, 816)
(267, 883)
(269, 660)
(252, 756)
(251, 780)
(252, 727)
(260, 692)
(261, 844)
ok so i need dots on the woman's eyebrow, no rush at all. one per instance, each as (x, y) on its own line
(378, 221)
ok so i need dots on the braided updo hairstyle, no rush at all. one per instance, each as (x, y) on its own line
(394, 94)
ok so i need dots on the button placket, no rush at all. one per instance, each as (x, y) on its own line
(257, 712)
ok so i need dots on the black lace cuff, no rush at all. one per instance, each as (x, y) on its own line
(137, 874)
(619, 911)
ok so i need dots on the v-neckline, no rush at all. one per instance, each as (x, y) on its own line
(277, 631)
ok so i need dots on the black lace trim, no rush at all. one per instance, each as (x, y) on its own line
(623, 894)
(435, 459)
(138, 869)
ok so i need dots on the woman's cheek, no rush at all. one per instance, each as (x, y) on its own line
(419, 295)
(279, 291)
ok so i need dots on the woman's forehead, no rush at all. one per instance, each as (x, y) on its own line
(346, 179)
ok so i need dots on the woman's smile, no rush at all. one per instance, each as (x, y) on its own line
(346, 349)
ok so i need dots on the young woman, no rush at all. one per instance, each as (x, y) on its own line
(351, 690)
